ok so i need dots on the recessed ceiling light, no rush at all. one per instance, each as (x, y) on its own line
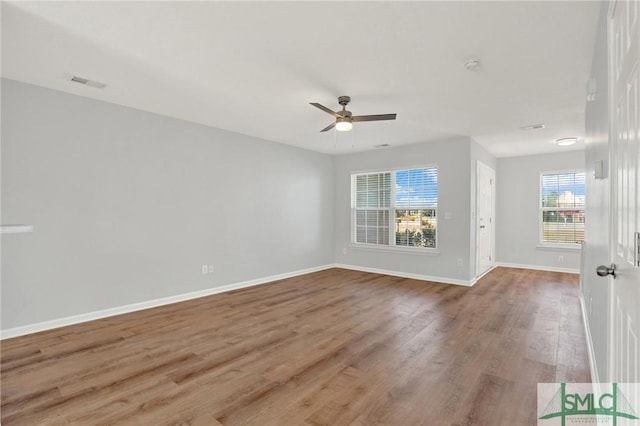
(472, 65)
(88, 82)
(532, 127)
(566, 141)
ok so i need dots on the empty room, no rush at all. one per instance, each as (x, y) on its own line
(320, 213)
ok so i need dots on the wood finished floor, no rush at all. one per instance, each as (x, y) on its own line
(335, 347)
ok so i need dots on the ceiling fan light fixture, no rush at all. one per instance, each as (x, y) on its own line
(344, 119)
(343, 124)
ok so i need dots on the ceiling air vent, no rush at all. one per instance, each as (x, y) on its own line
(87, 82)
(532, 127)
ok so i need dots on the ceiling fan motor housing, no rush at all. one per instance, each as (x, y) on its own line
(344, 100)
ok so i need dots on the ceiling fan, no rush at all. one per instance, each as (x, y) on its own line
(344, 118)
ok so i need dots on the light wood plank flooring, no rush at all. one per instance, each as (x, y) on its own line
(335, 347)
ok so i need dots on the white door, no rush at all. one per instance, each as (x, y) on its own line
(485, 200)
(624, 72)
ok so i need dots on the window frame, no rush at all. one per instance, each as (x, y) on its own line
(391, 246)
(550, 244)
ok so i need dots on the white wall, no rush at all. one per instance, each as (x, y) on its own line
(128, 205)
(517, 211)
(596, 248)
(453, 159)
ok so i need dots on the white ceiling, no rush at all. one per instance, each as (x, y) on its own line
(253, 67)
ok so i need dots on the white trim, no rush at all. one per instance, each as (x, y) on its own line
(562, 171)
(422, 251)
(90, 316)
(478, 277)
(610, 12)
(559, 247)
(538, 267)
(467, 283)
(590, 350)
(393, 169)
(15, 229)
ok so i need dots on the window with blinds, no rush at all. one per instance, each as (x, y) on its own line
(400, 202)
(562, 201)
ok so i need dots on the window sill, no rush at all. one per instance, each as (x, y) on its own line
(560, 247)
(389, 249)
(15, 229)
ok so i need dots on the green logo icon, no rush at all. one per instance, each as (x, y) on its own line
(566, 404)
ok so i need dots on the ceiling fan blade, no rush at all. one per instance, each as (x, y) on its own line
(376, 117)
(325, 109)
(329, 127)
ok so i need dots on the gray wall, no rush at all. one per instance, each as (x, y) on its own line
(596, 248)
(453, 159)
(517, 210)
(128, 205)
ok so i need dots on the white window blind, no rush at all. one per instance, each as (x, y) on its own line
(562, 201)
(405, 201)
(373, 197)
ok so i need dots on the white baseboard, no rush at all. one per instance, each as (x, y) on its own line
(538, 268)
(587, 332)
(90, 316)
(466, 283)
(479, 277)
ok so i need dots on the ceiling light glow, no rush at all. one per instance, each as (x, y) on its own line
(566, 141)
(343, 125)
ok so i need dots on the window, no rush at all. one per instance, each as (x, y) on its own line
(562, 197)
(405, 201)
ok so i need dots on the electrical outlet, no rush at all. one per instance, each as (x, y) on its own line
(205, 269)
(561, 259)
(459, 262)
(211, 269)
(344, 250)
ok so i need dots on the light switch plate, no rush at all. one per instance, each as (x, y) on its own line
(598, 169)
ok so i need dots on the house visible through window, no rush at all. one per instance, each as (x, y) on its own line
(562, 200)
(400, 202)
